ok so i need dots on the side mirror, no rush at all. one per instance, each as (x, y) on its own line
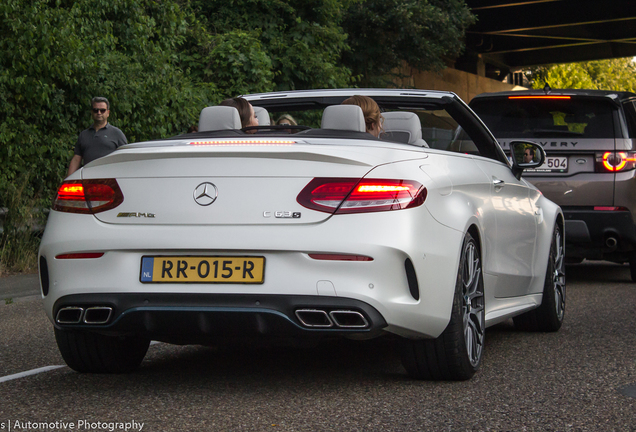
(525, 154)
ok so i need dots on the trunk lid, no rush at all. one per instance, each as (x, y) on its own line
(182, 184)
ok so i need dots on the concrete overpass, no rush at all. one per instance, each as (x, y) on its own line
(515, 34)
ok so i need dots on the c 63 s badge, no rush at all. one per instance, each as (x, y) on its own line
(282, 214)
(138, 215)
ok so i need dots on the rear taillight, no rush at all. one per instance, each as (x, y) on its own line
(339, 257)
(539, 97)
(615, 161)
(81, 255)
(606, 208)
(345, 195)
(88, 196)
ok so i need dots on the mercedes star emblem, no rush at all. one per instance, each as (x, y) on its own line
(205, 194)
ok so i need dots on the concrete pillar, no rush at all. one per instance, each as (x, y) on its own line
(481, 67)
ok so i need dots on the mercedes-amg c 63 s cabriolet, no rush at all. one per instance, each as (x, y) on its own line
(428, 233)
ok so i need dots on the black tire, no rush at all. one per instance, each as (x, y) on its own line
(97, 353)
(549, 316)
(456, 354)
(573, 260)
(632, 265)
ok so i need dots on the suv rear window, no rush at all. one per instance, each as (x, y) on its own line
(544, 117)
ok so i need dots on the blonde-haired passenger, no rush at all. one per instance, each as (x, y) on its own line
(286, 119)
(372, 117)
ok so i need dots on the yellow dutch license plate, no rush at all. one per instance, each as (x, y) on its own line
(188, 269)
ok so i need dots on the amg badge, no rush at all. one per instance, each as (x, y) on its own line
(128, 214)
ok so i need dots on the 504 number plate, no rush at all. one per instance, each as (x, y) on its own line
(557, 164)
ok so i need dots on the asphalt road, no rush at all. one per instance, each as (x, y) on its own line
(18, 286)
(582, 378)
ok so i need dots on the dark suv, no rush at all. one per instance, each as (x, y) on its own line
(589, 137)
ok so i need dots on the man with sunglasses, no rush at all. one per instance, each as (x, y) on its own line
(98, 140)
(528, 155)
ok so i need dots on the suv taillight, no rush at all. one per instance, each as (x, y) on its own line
(346, 195)
(615, 161)
(88, 196)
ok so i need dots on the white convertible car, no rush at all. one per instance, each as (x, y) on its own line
(428, 233)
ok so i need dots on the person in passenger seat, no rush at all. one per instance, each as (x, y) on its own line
(286, 119)
(245, 109)
(372, 116)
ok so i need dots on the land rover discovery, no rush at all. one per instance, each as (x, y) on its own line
(590, 169)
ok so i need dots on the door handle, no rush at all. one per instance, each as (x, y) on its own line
(498, 183)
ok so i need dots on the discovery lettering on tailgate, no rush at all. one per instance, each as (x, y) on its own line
(504, 144)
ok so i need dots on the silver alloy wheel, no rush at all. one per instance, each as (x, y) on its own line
(473, 304)
(558, 275)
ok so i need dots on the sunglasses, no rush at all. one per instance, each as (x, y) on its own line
(99, 110)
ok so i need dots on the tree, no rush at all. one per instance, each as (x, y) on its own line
(160, 63)
(303, 41)
(613, 74)
(384, 34)
(326, 43)
(55, 56)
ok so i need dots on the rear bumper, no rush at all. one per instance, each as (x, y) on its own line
(593, 234)
(201, 318)
(418, 308)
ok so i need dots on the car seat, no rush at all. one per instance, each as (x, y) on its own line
(263, 116)
(343, 117)
(219, 118)
(402, 126)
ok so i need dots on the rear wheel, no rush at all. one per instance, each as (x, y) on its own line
(632, 265)
(549, 316)
(573, 260)
(456, 354)
(97, 353)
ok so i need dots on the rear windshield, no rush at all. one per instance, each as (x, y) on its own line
(546, 118)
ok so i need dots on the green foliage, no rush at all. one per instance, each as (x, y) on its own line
(613, 74)
(19, 242)
(55, 56)
(160, 62)
(302, 39)
(238, 64)
(385, 34)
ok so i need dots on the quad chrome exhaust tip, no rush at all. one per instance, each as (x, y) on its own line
(348, 319)
(314, 318)
(80, 315)
(318, 318)
(70, 315)
(97, 314)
